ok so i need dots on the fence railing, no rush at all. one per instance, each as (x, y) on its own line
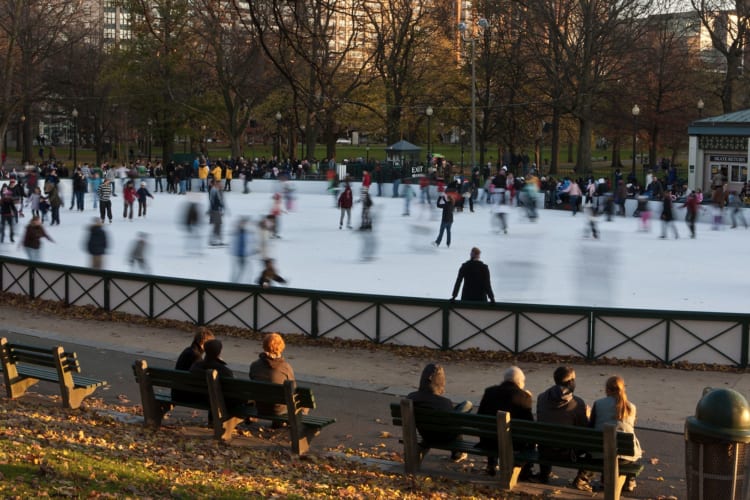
(592, 333)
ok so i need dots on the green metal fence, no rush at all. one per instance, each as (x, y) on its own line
(591, 333)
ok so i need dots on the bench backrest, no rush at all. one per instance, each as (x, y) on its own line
(466, 424)
(567, 436)
(40, 356)
(175, 379)
(522, 431)
(266, 392)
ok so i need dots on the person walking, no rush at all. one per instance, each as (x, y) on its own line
(97, 244)
(475, 276)
(346, 200)
(32, 238)
(446, 202)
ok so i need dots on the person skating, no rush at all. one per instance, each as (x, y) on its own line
(691, 206)
(32, 238)
(445, 202)
(97, 244)
(667, 216)
(142, 194)
(216, 212)
(128, 198)
(345, 202)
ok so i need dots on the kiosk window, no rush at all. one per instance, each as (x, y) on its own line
(739, 173)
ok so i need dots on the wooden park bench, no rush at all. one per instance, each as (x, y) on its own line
(25, 365)
(215, 392)
(298, 400)
(517, 441)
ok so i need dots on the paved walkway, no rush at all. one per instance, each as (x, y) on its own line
(664, 397)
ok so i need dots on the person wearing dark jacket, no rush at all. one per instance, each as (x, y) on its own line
(97, 244)
(476, 279)
(8, 214)
(213, 361)
(511, 397)
(188, 357)
(667, 216)
(558, 405)
(447, 203)
(430, 396)
(271, 367)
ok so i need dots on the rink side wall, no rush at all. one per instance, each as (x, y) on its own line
(670, 337)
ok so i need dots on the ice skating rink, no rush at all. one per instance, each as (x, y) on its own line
(544, 262)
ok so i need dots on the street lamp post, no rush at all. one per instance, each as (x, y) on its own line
(74, 114)
(204, 141)
(21, 137)
(429, 112)
(462, 27)
(635, 111)
(278, 135)
(148, 148)
(700, 105)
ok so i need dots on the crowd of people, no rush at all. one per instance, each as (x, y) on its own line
(558, 404)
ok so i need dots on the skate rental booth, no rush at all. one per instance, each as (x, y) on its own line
(719, 145)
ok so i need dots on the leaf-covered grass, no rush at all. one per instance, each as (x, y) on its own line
(48, 451)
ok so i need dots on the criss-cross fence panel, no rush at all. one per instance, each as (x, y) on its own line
(179, 301)
(130, 295)
(49, 284)
(411, 323)
(16, 278)
(285, 312)
(482, 328)
(716, 341)
(87, 289)
(555, 331)
(230, 307)
(347, 319)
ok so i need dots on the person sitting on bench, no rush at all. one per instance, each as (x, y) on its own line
(430, 396)
(189, 356)
(272, 367)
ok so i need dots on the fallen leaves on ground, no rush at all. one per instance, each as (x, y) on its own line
(46, 451)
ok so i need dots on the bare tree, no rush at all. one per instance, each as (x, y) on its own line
(320, 48)
(33, 33)
(728, 24)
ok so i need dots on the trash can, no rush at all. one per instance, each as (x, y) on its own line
(717, 459)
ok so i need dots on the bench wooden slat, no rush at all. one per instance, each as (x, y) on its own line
(24, 366)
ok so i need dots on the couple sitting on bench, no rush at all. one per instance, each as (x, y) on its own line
(556, 405)
(269, 367)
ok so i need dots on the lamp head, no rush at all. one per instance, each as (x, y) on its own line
(636, 110)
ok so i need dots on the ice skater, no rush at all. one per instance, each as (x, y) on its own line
(32, 239)
(216, 211)
(137, 254)
(667, 217)
(408, 196)
(691, 206)
(269, 274)
(736, 204)
(592, 221)
(500, 210)
(242, 246)
(346, 199)
(142, 194)
(366, 201)
(445, 202)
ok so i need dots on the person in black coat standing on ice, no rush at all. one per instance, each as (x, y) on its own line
(476, 278)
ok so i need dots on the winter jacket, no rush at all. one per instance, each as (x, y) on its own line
(345, 198)
(429, 395)
(476, 279)
(274, 370)
(97, 244)
(505, 397)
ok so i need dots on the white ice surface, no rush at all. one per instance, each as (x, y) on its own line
(547, 262)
